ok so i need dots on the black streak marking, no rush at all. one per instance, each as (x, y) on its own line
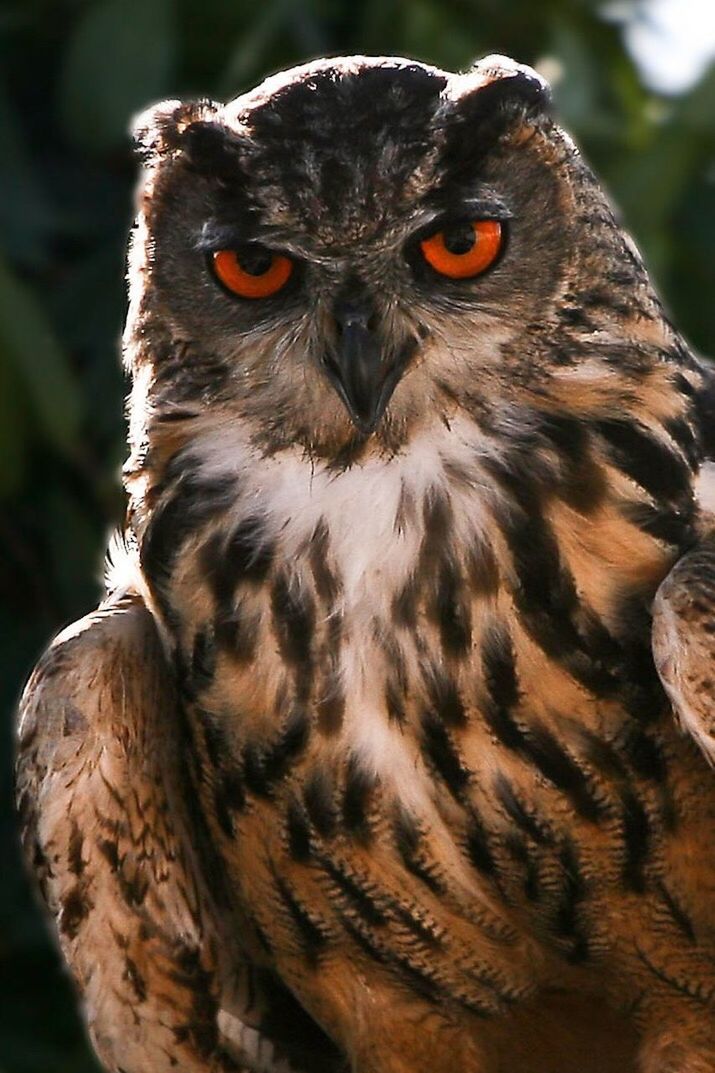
(442, 755)
(582, 483)
(535, 743)
(646, 460)
(419, 979)
(682, 433)
(203, 661)
(327, 584)
(542, 748)
(444, 698)
(318, 797)
(331, 703)
(515, 810)
(331, 706)
(416, 978)
(518, 849)
(190, 503)
(678, 914)
(361, 936)
(482, 569)
(75, 907)
(361, 896)
(312, 931)
(223, 814)
(229, 797)
(236, 631)
(636, 836)
(74, 853)
(298, 833)
(404, 605)
(110, 853)
(135, 978)
(437, 519)
(359, 787)
(684, 986)
(544, 590)
(477, 846)
(667, 524)
(566, 920)
(217, 748)
(264, 767)
(602, 755)
(424, 931)
(451, 611)
(500, 680)
(645, 756)
(407, 840)
(446, 605)
(294, 622)
(245, 557)
(394, 697)
(190, 975)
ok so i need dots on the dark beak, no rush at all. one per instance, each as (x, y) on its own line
(357, 367)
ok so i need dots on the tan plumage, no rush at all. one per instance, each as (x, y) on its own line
(106, 827)
(366, 764)
(684, 642)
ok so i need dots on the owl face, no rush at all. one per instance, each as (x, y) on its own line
(351, 250)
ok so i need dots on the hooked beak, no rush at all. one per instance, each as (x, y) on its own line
(356, 365)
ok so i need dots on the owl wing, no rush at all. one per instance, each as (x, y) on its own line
(122, 860)
(684, 641)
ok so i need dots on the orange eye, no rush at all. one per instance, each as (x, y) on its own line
(254, 272)
(463, 250)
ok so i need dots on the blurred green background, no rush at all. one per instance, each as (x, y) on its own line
(72, 72)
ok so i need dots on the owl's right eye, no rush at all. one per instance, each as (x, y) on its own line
(463, 250)
(252, 272)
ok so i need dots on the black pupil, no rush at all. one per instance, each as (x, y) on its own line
(254, 259)
(460, 238)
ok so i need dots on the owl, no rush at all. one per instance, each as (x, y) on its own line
(388, 749)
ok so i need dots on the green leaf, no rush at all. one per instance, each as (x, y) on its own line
(119, 60)
(30, 349)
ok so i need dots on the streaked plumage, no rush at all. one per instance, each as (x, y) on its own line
(366, 763)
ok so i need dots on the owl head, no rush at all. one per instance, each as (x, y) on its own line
(359, 248)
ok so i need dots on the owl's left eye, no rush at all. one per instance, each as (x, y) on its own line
(252, 272)
(463, 250)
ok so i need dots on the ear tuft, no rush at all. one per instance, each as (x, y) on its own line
(211, 148)
(515, 80)
(495, 96)
(162, 128)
